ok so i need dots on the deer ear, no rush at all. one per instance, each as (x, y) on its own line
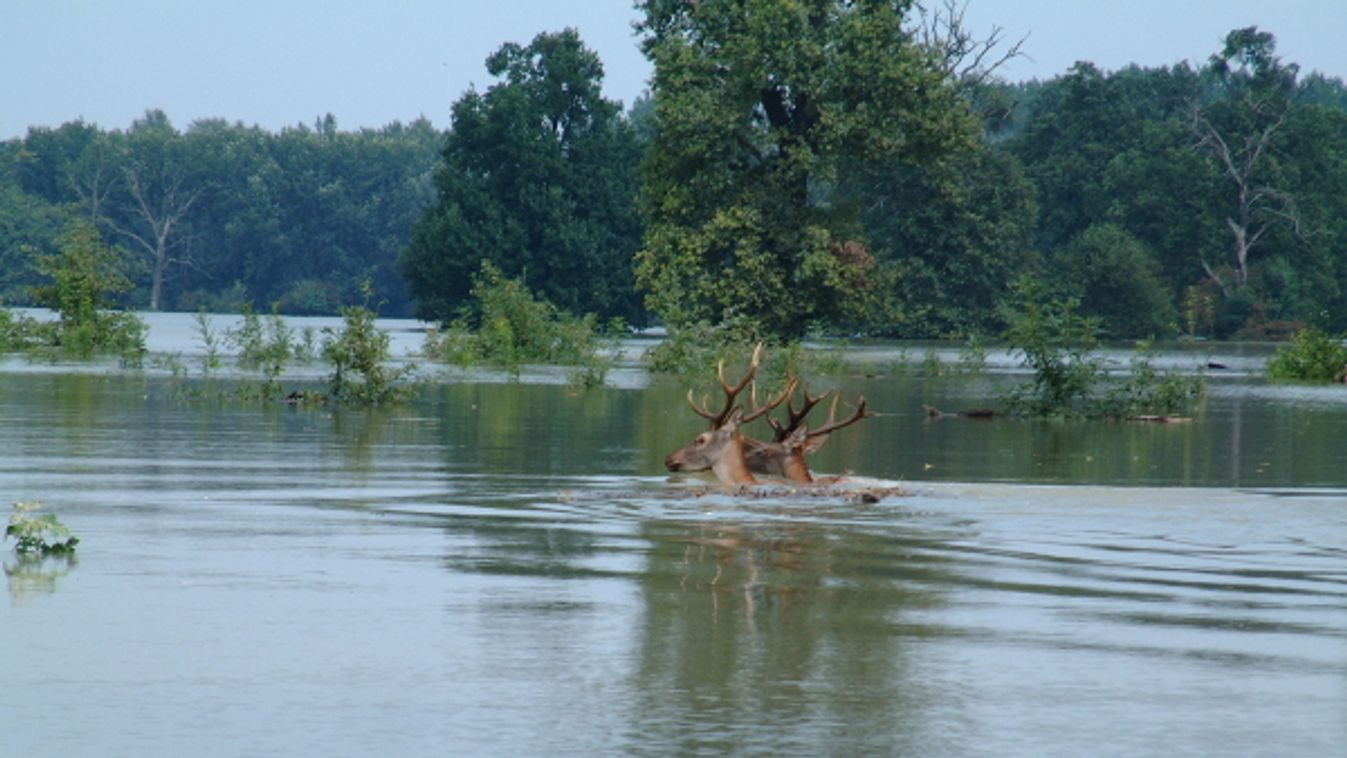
(732, 423)
(797, 438)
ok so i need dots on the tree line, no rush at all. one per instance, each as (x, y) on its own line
(823, 167)
(222, 216)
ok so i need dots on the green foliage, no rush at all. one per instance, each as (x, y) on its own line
(19, 332)
(1115, 279)
(1313, 356)
(1057, 343)
(38, 535)
(973, 355)
(266, 347)
(360, 357)
(539, 178)
(760, 106)
(210, 341)
(85, 276)
(508, 327)
(1148, 390)
(299, 217)
(959, 238)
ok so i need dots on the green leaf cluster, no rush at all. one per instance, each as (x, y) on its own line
(538, 178)
(38, 536)
(1313, 356)
(507, 326)
(360, 357)
(1058, 344)
(759, 108)
(84, 277)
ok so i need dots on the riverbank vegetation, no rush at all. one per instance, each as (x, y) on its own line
(1313, 356)
(756, 193)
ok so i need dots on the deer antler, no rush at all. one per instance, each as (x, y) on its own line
(759, 410)
(833, 424)
(796, 417)
(732, 392)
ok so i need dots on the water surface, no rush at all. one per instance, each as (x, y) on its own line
(505, 569)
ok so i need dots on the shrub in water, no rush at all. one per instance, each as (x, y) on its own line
(84, 277)
(1313, 356)
(508, 327)
(39, 535)
(359, 354)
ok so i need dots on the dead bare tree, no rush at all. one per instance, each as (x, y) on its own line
(968, 59)
(1238, 134)
(1259, 206)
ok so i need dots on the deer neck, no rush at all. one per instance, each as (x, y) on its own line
(795, 467)
(731, 467)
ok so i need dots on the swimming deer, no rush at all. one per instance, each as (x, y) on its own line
(721, 449)
(735, 458)
(785, 455)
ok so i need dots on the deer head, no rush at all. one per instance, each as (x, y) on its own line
(785, 455)
(721, 449)
(735, 458)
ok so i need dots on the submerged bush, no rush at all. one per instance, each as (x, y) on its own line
(84, 276)
(507, 327)
(359, 355)
(39, 535)
(1058, 345)
(1313, 356)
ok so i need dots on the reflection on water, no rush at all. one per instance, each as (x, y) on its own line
(29, 575)
(506, 570)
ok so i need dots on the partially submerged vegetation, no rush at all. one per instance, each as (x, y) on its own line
(1070, 379)
(359, 356)
(38, 536)
(1313, 356)
(506, 326)
(84, 277)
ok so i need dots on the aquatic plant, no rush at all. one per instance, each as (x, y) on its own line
(39, 535)
(1313, 356)
(507, 327)
(359, 356)
(1070, 379)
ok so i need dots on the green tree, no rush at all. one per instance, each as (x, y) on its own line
(1116, 280)
(760, 107)
(539, 178)
(960, 242)
(86, 276)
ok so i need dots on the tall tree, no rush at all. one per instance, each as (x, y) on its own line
(760, 106)
(1238, 132)
(539, 178)
(159, 190)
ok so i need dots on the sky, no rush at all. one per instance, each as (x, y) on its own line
(279, 63)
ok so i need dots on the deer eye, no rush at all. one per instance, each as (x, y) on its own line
(703, 438)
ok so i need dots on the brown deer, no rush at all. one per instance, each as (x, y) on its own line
(785, 455)
(735, 458)
(721, 449)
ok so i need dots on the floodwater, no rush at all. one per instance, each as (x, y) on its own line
(504, 568)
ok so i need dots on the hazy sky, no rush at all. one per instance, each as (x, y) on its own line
(284, 62)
